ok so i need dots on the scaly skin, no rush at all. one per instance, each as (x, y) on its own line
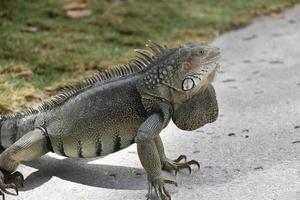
(114, 109)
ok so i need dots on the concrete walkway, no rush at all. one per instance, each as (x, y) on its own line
(252, 152)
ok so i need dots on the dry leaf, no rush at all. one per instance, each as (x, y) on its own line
(74, 5)
(31, 29)
(79, 13)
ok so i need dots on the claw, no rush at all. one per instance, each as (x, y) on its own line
(17, 178)
(177, 165)
(157, 193)
(10, 181)
(160, 191)
(149, 190)
(11, 186)
(17, 190)
(166, 192)
(4, 188)
(169, 168)
(185, 166)
(180, 158)
(194, 162)
(170, 182)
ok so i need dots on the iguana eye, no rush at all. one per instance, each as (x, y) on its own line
(199, 52)
(188, 84)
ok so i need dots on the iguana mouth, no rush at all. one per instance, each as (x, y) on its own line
(208, 67)
(212, 60)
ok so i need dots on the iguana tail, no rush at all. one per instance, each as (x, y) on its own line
(13, 128)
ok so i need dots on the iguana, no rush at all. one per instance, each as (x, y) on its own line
(116, 108)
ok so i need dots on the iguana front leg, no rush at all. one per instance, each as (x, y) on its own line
(173, 165)
(29, 147)
(149, 156)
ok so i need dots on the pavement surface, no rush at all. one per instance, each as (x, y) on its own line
(251, 152)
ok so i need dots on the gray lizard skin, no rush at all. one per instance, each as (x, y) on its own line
(116, 108)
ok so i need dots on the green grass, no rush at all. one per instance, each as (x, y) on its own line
(64, 49)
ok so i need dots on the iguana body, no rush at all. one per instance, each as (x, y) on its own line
(114, 109)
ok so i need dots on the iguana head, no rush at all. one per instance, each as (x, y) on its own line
(179, 73)
(181, 77)
(194, 70)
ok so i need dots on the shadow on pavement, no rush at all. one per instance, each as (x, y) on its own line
(115, 177)
(78, 171)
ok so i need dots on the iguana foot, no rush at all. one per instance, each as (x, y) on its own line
(10, 181)
(16, 178)
(158, 184)
(176, 165)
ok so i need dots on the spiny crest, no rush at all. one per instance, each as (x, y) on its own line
(143, 61)
(28, 111)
